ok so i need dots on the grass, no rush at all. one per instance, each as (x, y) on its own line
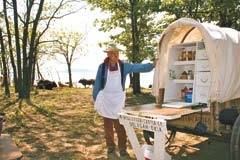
(60, 123)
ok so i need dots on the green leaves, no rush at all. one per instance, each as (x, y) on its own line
(120, 17)
(224, 13)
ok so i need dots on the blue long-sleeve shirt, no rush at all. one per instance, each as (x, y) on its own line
(127, 68)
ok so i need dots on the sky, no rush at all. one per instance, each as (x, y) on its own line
(86, 66)
(81, 21)
(94, 55)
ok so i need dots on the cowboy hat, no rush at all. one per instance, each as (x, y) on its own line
(112, 47)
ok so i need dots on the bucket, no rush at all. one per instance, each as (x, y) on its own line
(200, 128)
(188, 97)
(147, 152)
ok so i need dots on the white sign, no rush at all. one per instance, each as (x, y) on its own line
(155, 125)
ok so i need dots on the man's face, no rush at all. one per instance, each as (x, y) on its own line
(113, 56)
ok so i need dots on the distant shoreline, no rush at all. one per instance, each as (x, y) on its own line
(62, 76)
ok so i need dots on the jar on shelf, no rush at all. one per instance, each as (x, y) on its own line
(182, 94)
(190, 75)
(183, 91)
(183, 75)
(193, 55)
(189, 55)
(180, 57)
(172, 74)
(184, 55)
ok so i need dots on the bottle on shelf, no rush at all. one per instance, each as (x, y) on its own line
(190, 74)
(183, 75)
(183, 91)
(172, 74)
(180, 57)
(185, 55)
(193, 55)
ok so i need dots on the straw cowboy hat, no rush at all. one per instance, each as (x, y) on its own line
(112, 47)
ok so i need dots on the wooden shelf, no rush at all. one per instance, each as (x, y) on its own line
(184, 63)
(183, 81)
(199, 65)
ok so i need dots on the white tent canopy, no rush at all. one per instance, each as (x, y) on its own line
(223, 49)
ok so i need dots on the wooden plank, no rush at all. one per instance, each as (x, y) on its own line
(8, 149)
(157, 111)
(133, 139)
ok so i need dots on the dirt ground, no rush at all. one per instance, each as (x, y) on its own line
(62, 125)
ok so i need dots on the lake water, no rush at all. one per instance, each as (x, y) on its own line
(145, 78)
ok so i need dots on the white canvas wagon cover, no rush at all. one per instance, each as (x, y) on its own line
(222, 46)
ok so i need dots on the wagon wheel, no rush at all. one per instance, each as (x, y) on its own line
(235, 140)
(170, 138)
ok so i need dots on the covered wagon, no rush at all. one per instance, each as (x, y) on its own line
(196, 84)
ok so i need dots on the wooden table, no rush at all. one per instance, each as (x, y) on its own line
(8, 149)
(155, 111)
(151, 117)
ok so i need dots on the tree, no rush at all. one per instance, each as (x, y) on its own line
(69, 45)
(136, 19)
(9, 28)
(31, 20)
(220, 12)
(4, 64)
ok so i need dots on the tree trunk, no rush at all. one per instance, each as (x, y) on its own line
(27, 49)
(9, 35)
(136, 83)
(5, 75)
(70, 74)
(39, 74)
(33, 70)
(18, 51)
(135, 46)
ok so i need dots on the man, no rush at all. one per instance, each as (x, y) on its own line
(109, 96)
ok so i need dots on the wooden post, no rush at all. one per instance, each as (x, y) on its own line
(228, 104)
(212, 118)
(217, 105)
(160, 98)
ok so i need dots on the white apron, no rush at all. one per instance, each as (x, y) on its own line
(111, 99)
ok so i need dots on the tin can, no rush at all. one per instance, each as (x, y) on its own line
(188, 96)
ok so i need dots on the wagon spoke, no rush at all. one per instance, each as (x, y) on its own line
(235, 141)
